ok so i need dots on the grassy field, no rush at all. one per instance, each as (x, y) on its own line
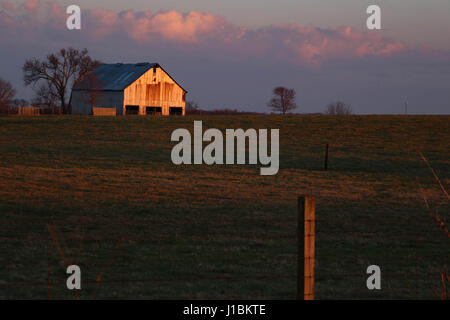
(102, 193)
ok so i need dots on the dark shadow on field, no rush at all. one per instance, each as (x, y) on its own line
(406, 243)
(164, 253)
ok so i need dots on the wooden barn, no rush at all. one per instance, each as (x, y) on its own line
(128, 89)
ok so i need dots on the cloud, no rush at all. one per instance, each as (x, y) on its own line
(195, 32)
(32, 5)
(27, 7)
(172, 26)
(6, 5)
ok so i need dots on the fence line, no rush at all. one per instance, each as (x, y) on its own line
(304, 238)
(121, 221)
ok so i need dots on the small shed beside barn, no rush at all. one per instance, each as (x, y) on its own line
(131, 89)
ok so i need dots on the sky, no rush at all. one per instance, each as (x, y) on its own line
(231, 54)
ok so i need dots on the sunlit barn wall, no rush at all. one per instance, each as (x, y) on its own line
(155, 88)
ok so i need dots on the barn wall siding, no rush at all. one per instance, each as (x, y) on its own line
(154, 89)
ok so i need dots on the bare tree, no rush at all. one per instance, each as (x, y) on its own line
(59, 71)
(45, 97)
(283, 100)
(7, 93)
(93, 94)
(338, 108)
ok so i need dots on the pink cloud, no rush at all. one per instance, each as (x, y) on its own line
(171, 26)
(191, 27)
(8, 6)
(102, 22)
(204, 32)
(32, 5)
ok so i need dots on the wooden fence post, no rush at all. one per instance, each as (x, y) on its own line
(326, 157)
(306, 239)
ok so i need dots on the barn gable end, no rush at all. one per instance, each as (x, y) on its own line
(155, 89)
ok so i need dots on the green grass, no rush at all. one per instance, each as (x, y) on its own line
(108, 188)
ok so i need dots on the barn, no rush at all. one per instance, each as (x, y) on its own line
(128, 89)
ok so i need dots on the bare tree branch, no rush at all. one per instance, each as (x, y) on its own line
(60, 71)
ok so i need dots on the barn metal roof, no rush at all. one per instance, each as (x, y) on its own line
(114, 77)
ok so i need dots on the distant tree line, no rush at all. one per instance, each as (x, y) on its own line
(338, 108)
(283, 101)
(334, 108)
(192, 108)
